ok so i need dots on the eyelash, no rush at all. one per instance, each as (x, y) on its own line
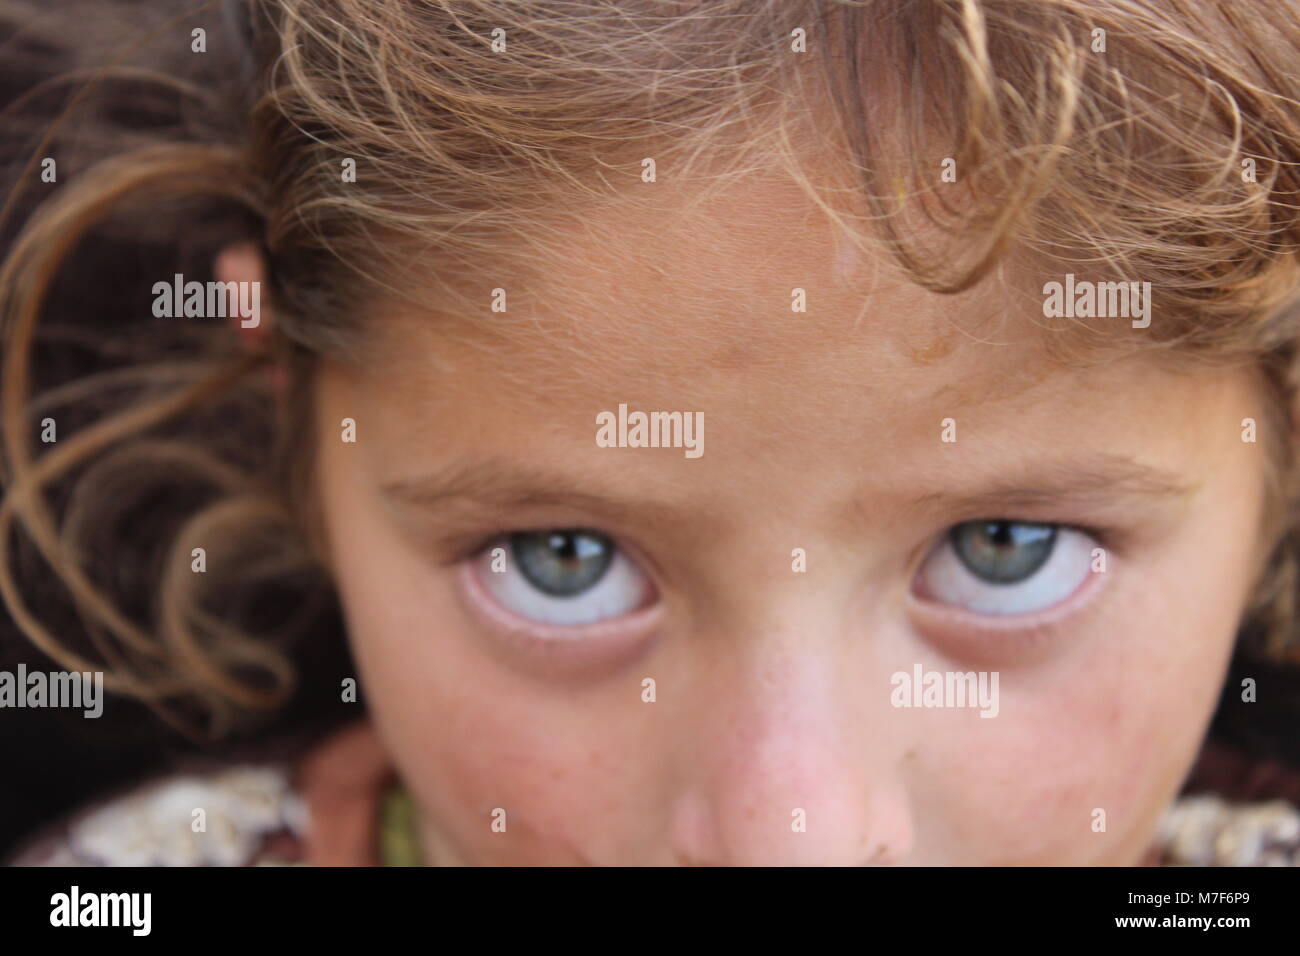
(1104, 536)
(468, 546)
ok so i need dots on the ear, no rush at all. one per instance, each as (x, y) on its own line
(242, 262)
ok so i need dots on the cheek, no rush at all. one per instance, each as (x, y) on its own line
(473, 744)
(1112, 724)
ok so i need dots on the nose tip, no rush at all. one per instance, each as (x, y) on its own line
(874, 830)
(793, 764)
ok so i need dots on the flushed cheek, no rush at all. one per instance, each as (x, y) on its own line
(504, 768)
(1008, 797)
(1069, 753)
(509, 796)
(564, 779)
(1108, 727)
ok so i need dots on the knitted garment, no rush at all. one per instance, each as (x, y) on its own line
(1205, 830)
(239, 816)
(252, 816)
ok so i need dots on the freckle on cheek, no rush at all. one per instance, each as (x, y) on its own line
(938, 349)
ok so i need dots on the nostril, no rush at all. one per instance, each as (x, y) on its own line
(687, 860)
(882, 855)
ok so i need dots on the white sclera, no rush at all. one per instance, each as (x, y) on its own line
(947, 580)
(620, 590)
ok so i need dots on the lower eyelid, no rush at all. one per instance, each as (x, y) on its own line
(543, 647)
(1019, 639)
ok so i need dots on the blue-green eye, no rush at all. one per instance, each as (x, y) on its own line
(1003, 552)
(562, 563)
(568, 577)
(1002, 567)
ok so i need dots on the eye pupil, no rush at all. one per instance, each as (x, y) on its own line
(562, 563)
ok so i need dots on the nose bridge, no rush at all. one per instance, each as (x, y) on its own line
(797, 764)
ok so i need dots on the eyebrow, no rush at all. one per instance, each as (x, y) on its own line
(1101, 481)
(505, 484)
(1104, 480)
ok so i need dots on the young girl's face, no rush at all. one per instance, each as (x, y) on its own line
(710, 658)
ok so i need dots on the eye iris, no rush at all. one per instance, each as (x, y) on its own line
(1003, 552)
(562, 563)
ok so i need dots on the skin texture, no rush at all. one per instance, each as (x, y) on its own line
(773, 687)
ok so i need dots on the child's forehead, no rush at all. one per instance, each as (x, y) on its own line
(674, 288)
(743, 308)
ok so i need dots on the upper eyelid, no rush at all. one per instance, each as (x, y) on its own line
(1116, 523)
(1116, 500)
(468, 545)
(1092, 530)
(1112, 521)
